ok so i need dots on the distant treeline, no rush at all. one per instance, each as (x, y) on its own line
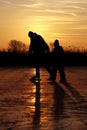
(17, 55)
(75, 58)
(72, 58)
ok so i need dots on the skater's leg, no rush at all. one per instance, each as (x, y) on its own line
(62, 74)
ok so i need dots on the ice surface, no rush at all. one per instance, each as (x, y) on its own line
(26, 105)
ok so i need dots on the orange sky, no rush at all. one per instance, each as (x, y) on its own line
(65, 20)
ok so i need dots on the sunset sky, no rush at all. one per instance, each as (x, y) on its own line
(65, 20)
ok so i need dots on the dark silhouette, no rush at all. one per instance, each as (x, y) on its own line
(59, 106)
(37, 114)
(58, 62)
(40, 50)
(74, 93)
(59, 95)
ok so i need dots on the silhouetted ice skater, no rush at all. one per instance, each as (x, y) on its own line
(40, 49)
(58, 62)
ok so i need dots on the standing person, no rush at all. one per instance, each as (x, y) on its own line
(33, 50)
(58, 62)
(39, 48)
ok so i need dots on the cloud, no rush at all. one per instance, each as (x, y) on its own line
(61, 12)
(74, 1)
(26, 4)
(80, 28)
(73, 14)
(30, 5)
(54, 11)
(78, 7)
(6, 2)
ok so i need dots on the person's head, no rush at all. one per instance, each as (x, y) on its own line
(56, 43)
(30, 33)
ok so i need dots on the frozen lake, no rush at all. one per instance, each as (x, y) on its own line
(44, 105)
